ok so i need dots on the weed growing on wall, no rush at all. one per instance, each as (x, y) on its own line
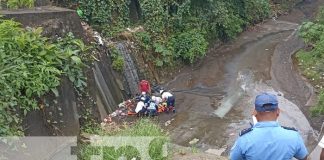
(117, 59)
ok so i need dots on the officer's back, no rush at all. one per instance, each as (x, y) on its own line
(267, 140)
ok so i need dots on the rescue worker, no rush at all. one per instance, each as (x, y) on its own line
(147, 98)
(152, 108)
(169, 99)
(267, 140)
(144, 86)
(321, 144)
(157, 100)
(140, 107)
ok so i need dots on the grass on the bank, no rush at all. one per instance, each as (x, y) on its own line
(311, 61)
(312, 67)
(142, 128)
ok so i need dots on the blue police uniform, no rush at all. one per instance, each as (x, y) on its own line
(268, 141)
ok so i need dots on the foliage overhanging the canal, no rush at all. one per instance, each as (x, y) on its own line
(30, 67)
(175, 30)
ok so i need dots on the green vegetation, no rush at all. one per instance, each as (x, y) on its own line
(175, 30)
(117, 59)
(109, 16)
(142, 128)
(30, 67)
(118, 63)
(88, 123)
(15, 4)
(188, 45)
(312, 59)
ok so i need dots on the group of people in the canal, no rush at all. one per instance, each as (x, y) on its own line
(267, 139)
(151, 105)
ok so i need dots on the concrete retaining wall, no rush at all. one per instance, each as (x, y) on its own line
(61, 115)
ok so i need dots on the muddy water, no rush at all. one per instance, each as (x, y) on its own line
(215, 98)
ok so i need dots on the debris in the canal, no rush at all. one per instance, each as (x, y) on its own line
(194, 141)
(167, 123)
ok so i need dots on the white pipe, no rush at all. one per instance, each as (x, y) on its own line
(254, 120)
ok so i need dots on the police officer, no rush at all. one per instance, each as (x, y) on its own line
(267, 140)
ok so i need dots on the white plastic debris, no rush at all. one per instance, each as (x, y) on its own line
(194, 141)
(98, 37)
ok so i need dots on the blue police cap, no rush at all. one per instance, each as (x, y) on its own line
(266, 99)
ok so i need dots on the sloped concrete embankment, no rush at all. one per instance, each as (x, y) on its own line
(61, 115)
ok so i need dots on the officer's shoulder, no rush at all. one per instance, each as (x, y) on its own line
(290, 128)
(245, 131)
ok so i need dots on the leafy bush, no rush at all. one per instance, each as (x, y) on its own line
(109, 16)
(256, 11)
(223, 22)
(310, 32)
(144, 40)
(15, 4)
(155, 16)
(189, 45)
(31, 66)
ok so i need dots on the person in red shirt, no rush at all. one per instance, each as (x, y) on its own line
(144, 86)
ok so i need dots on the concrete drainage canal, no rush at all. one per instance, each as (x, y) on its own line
(213, 109)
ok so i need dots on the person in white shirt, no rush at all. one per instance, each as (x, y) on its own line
(169, 98)
(140, 107)
(157, 100)
(321, 144)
